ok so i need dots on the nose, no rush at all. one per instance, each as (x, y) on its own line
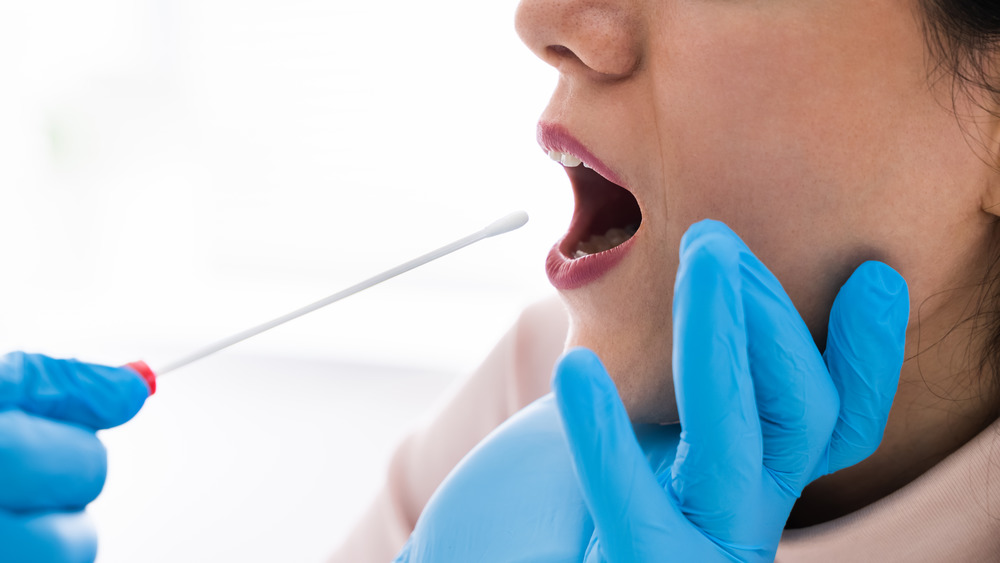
(602, 36)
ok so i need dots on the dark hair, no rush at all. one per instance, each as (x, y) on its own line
(963, 37)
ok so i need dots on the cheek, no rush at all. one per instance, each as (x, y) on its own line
(731, 152)
(788, 113)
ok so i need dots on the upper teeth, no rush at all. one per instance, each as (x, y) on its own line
(566, 159)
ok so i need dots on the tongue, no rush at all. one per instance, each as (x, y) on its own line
(599, 243)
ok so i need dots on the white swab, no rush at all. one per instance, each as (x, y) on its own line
(505, 224)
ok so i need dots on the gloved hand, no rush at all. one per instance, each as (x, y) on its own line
(762, 413)
(517, 496)
(51, 462)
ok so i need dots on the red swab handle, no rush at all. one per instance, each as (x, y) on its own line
(146, 373)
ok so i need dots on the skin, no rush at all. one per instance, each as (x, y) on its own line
(819, 133)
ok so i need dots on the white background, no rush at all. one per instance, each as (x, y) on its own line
(175, 171)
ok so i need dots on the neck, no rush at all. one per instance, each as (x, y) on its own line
(943, 400)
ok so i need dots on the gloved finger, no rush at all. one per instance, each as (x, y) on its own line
(795, 396)
(88, 394)
(48, 464)
(622, 495)
(50, 537)
(864, 353)
(719, 455)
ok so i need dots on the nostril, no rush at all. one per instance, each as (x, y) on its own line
(556, 54)
(599, 62)
(561, 51)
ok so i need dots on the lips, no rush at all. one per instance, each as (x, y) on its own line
(606, 216)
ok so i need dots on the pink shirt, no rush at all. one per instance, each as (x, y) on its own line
(951, 513)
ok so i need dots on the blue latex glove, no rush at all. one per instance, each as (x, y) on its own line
(762, 412)
(51, 462)
(517, 496)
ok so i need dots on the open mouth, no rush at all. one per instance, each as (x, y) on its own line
(605, 216)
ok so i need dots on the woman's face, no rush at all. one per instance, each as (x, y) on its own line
(810, 127)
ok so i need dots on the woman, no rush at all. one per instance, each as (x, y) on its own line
(825, 134)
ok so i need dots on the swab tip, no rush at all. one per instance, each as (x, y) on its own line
(507, 223)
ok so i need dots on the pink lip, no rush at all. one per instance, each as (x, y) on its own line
(571, 273)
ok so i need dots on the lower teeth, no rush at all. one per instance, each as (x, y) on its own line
(607, 241)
